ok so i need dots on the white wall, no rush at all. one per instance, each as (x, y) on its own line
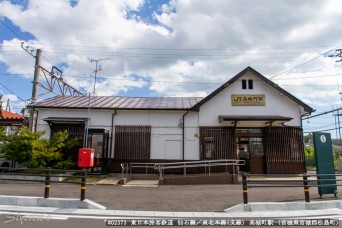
(276, 104)
(98, 118)
(166, 132)
(166, 128)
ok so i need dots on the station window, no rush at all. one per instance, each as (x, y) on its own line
(250, 84)
(244, 84)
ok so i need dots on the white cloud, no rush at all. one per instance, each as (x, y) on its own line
(17, 60)
(15, 104)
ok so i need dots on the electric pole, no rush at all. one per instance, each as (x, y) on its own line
(8, 107)
(36, 75)
(339, 55)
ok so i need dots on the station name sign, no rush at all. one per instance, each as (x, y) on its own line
(248, 100)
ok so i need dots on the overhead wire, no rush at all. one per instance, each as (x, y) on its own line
(302, 64)
(15, 33)
(22, 39)
(12, 92)
(187, 82)
(192, 56)
(277, 79)
(185, 49)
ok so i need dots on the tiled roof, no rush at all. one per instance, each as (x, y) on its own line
(10, 115)
(120, 103)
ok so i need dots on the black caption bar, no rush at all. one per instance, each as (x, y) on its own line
(222, 222)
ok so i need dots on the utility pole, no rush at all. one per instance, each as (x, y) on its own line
(0, 103)
(49, 81)
(88, 118)
(36, 69)
(8, 107)
(339, 55)
(36, 75)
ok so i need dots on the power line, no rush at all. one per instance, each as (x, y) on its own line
(185, 49)
(12, 92)
(296, 50)
(278, 79)
(305, 62)
(316, 85)
(323, 113)
(170, 56)
(14, 32)
(21, 38)
(317, 76)
(331, 129)
(9, 28)
(202, 89)
(174, 55)
(192, 82)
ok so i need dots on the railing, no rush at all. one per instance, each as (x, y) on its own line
(146, 166)
(304, 183)
(160, 167)
(205, 163)
(46, 175)
(124, 169)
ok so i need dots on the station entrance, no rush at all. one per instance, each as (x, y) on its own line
(266, 150)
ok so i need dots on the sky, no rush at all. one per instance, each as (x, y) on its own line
(159, 48)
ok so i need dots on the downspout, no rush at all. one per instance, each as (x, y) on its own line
(111, 139)
(183, 134)
(301, 126)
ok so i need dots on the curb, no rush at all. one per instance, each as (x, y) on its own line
(288, 206)
(29, 201)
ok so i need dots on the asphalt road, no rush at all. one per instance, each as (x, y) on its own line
(33, 221)
(164, 197)
(194, 198)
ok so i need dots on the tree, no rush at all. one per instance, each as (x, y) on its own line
(29, 148)
(309, 151)
(308, 138)
(2, 132)
(20, 146)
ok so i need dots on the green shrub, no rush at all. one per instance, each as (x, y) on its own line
(29, 148)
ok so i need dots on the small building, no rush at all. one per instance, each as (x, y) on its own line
(10, 121)
(249, 117)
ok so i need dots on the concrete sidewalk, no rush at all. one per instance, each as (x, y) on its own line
(331, 213)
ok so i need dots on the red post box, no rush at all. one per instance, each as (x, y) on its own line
(85, 158)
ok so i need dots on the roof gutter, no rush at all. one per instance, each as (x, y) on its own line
(303, 115)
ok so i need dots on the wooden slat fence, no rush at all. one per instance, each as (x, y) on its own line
(284, 150)
(217, 142)
(132, 143)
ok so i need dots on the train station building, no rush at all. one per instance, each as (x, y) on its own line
(249, 117)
